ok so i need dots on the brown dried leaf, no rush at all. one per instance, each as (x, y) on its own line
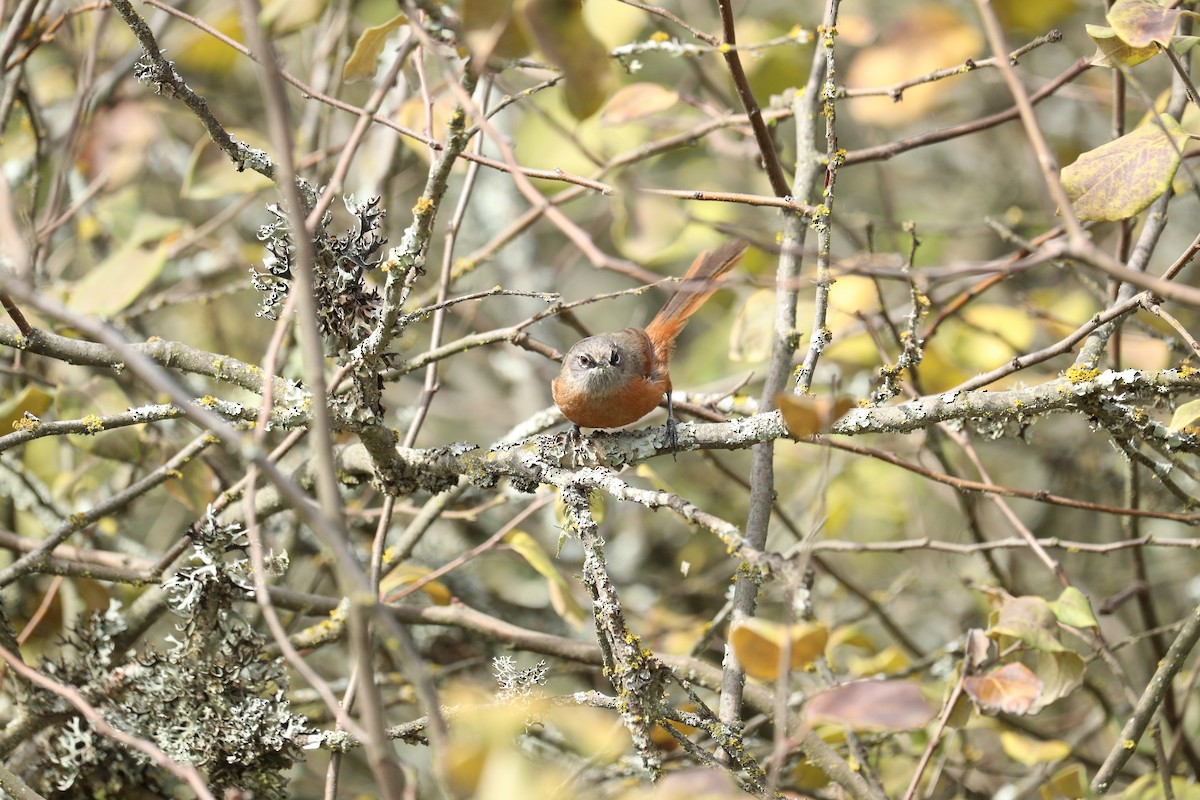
(1012, 689)
(977, 648)
(872, 706)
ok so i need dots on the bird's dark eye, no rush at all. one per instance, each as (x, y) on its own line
(615, 358)
(585, 361)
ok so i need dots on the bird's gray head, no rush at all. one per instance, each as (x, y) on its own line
(607, 362)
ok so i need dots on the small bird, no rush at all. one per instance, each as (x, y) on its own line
(612, 379)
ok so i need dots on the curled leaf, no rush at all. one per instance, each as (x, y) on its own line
(1072, 608)
(1113, 51)
(1012, 689)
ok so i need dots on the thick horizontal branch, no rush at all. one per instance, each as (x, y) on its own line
(1115, 397)
(174, 355)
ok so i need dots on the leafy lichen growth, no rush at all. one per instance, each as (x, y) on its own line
(212, 698)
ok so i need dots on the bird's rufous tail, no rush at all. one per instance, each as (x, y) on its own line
(701, 280)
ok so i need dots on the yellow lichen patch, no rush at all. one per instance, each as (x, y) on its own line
(1081, 374)
(26, 423)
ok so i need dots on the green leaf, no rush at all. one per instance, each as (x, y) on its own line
(1143, 22)
(1072, 608)
(561, 599)
(559, 29)
(117, 281)
(1181, 44)
(1121, 178)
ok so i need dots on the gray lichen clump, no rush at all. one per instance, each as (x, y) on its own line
(211, 699)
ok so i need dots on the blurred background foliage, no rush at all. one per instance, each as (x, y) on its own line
(140, 220)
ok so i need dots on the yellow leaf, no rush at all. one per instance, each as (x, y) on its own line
(361, 64)
(210, 176)
(646, 471)
(489, 29)
(759, 644)
(409, 574)
(1185, 416)
(194, 50)
(1119, 179)
(850, 636)
(1113, 51)
(1031, 17)
(1032, 752)
(806, 416)
(889, 660)
(32, 399)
